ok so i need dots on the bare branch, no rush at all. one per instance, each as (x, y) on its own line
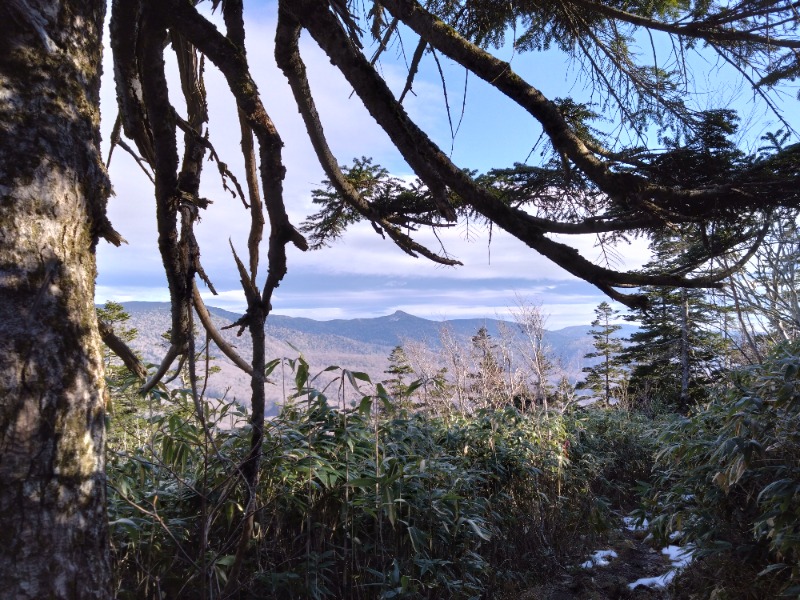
(118, 346)
(416, 58)
(166, 363)
(214, 334)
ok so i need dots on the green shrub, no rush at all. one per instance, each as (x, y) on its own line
(367, 502)
(729, 480)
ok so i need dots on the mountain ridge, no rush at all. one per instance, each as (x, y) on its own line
(362, 344)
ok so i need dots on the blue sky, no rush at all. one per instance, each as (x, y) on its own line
(361, 275)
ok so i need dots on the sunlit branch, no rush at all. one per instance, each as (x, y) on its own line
(165, 365)
(288, 57)
(118, 346)
(706, 29)
(214, 334)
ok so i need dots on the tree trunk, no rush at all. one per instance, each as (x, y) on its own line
(53, 189)
(685, 367)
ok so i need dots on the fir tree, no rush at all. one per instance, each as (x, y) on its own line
(115, 315)
(399, 369)
(126, 408)
(605, 378)
(678, 347)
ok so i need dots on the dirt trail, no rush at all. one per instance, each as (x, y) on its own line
(635, 559)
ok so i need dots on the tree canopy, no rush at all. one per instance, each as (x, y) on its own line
(590, 183)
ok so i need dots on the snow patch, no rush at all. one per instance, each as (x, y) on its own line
(633, 524)
(678, 556)
(599, 558)
(659, 582)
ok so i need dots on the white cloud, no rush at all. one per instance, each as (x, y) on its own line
(122, 293)
(361, 251)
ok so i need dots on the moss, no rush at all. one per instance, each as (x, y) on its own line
(46, 103)
(77, 452)
(49, 122)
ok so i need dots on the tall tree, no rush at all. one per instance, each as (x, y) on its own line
(53, 191)
(114, 316)
(679, 346)
(399, 369)
(605, 377)
(487, 387)
(126, 409)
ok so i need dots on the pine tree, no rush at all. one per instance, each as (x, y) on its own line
(678, 348)
(605, 378)
(125, 407)
(115, 315)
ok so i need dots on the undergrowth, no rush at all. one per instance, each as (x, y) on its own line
(728, 482)
(367, 501)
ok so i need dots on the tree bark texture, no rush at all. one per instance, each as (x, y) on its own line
(53, 190)
(685, 366)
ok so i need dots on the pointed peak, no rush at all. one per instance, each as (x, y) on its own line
(399, 314)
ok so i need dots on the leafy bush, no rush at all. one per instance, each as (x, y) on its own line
(729, 482)
(169, 494)
(615, 450)
(368, 502)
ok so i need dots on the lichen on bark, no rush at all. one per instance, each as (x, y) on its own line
(53, 190)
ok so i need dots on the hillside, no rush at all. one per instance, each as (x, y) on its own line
(356, 344)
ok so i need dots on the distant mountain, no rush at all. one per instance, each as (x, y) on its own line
(355, 344)
(395, 329)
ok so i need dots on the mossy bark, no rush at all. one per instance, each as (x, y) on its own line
(53, 189)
